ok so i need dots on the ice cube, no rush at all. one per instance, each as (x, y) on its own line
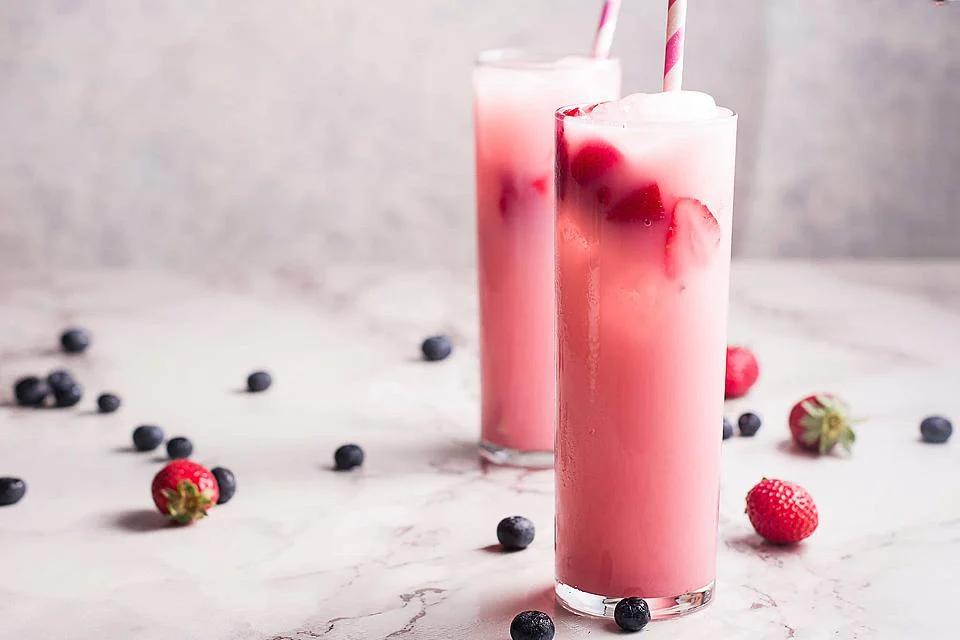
(669, 106)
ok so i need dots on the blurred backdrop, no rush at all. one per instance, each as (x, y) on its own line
(223, 135)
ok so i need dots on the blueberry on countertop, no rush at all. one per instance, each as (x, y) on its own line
(68, 395)
(749, 424)
(436, 348)
(60, 379)
(259, 381)
(31, 391)
(75, 340)
(532, 625)
(727, 429)
(227, 483)
(632, 614)
(108, 403)
(347, 457)
(179, 447)
(147, 437)
(11, 491)
(936, 429)
(515, 533)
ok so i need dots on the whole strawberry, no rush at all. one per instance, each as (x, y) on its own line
(820, 422)
(781, 512)
(742, 371)
(184, 491)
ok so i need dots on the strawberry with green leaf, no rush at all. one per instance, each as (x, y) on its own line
(822, 421)
(184, 491)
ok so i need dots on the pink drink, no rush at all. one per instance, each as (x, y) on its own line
(516, 98)
(645, 195)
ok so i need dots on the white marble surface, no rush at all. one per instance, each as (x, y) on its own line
(402, 549)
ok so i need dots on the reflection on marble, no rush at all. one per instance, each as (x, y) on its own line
(403, 548)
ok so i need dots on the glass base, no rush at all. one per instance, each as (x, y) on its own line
(589, 604)
(516, 458)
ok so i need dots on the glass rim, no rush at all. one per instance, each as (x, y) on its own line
(519, 59)
(584, 109)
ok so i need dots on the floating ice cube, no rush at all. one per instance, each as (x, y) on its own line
(669, 106)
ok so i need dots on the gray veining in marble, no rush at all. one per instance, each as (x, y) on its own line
(403, 549)
(216, 136)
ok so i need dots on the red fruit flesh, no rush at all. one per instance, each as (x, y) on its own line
(592, 161)
(516, 193)
(562, 164)
(508, 193)
(540, 185)
(642, 205)
(693, 238)
(782, 512)
(742, 372)
(184, 491)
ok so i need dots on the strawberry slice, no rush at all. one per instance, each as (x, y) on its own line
(561, 165)
(540, 185)
(516, 193)
(508, 193)
(642, 205)
(692, 239)
(592, 161)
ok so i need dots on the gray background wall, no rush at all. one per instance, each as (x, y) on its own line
(242, 134)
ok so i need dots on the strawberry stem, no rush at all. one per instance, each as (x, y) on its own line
(826, 424)
(187, 504)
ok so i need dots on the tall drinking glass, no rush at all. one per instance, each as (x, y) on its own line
(516, 96)
(644, 215)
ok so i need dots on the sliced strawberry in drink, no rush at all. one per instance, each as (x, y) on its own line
(508, 193)
(592, 161)
(692, 239)
(516, 193)
(642, 205)
(562, 163)
(540, 185)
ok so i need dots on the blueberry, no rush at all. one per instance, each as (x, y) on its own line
(749, 424)
(258, 381)
(108, 403)
(227, 483)
(347, 457)
(436, 348)
(147, 437)
(727, 429)
(31, 391)
(515, 533)
(179, 448)
(75, 340)
(60, 379)
(11, 491)
(632, 614)
(532, 625)
(68, 395)
(936, 429)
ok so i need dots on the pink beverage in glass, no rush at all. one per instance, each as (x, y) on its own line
(516, 96)
(645, 197)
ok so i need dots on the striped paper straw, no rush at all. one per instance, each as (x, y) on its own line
(608, 25)
(673, 58)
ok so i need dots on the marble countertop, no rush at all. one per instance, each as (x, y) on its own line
(404, 548)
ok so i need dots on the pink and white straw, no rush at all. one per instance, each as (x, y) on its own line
(673, 58)
(608, 25)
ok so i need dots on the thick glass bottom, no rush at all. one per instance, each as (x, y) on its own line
(516, 458)
(661, 608)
